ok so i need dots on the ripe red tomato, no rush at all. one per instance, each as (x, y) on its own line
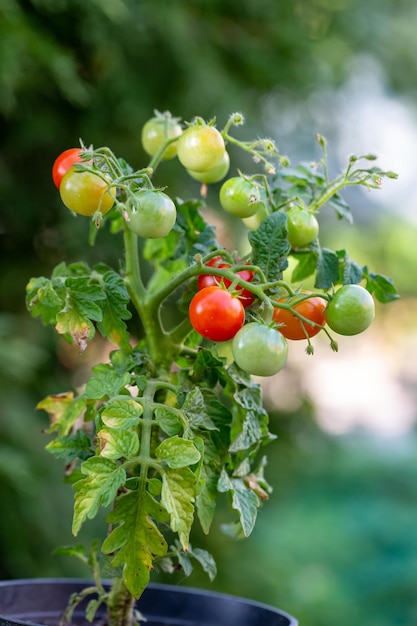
(208, 280)
(216, 313)
(85, 193)
(63, 163)
(292, 327)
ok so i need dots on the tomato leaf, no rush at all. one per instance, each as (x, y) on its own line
(105, 382)
(118, 444)
(382, 287)
(177, 452)
(71, 447)
(103, 478)
(137, 538)
(114, 309)
(306, 265)
(270, 245)
(244, 500)
(122, 414)
(43, 300)
(327, 269)
(63, 410)
(178, 497)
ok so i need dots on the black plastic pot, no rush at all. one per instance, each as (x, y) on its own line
(41, 601)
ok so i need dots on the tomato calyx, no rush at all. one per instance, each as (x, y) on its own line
(232, 284)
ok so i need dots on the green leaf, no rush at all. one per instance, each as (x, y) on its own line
(250, 425)
(306, 266)
(63, 410)
(118, 444)
(177, 452)
(327, 269)
(168, 420)
(341, 207)
(114, 310)
(178, 497)
(106, 382)
(123, 413)
(70, 447)
(99, 488)
(244, 501)
(77, 552)
(270, 245)
(206, 561)
(136, 540)
(350, 271)
(195, 413)
(43, 300)
(382, 287)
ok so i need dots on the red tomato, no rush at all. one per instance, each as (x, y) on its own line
(63, 163)
(216, 313)
(210, 280)
(292, 327)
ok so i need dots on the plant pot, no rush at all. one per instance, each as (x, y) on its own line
(41, 601)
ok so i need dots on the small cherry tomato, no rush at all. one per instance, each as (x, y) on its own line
(240, 197)
(154, 215)
(156, 131)
(351, 310)
(259, 349)
(303, 227)
(216, 313)
(63, 163)
(208, 280)
(294, 328)
(214, 174)
(85, 193)
(200, 148)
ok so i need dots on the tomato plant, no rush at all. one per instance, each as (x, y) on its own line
(153, 215)
(216, 313)
(157, 131)
(208, 280)
(171, 417)
(259, 349)
(86, 193)
(293, 327)
(63, 163)
(201, 148)
(303, 227)
(240, 197)
(351, 310)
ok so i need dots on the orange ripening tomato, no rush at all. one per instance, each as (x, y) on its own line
(294, 328)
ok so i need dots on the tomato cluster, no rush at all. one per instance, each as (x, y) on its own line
(222, 309)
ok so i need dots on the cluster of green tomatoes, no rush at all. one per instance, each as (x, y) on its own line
(218, 309)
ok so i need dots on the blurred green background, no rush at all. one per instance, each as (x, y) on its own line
(337, 543)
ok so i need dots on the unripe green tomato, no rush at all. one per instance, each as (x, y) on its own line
(259, 349)
(154, 215)
(156, 131)
(253, 222)
(215, 174)
(351, 310)
(240, 197)
(200, 148)
(303, 227)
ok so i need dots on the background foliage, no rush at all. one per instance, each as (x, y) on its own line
(337, 543)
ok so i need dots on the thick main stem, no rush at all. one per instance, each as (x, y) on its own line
(120, 605)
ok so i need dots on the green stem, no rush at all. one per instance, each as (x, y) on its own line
(120, 605)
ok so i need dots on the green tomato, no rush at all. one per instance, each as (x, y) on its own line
(200, 148)
(85, 193)
(156, 131)
(303, 227)
(350, 311)
(259, 349)
(215, 174)
(153, 216)
(240, 197)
